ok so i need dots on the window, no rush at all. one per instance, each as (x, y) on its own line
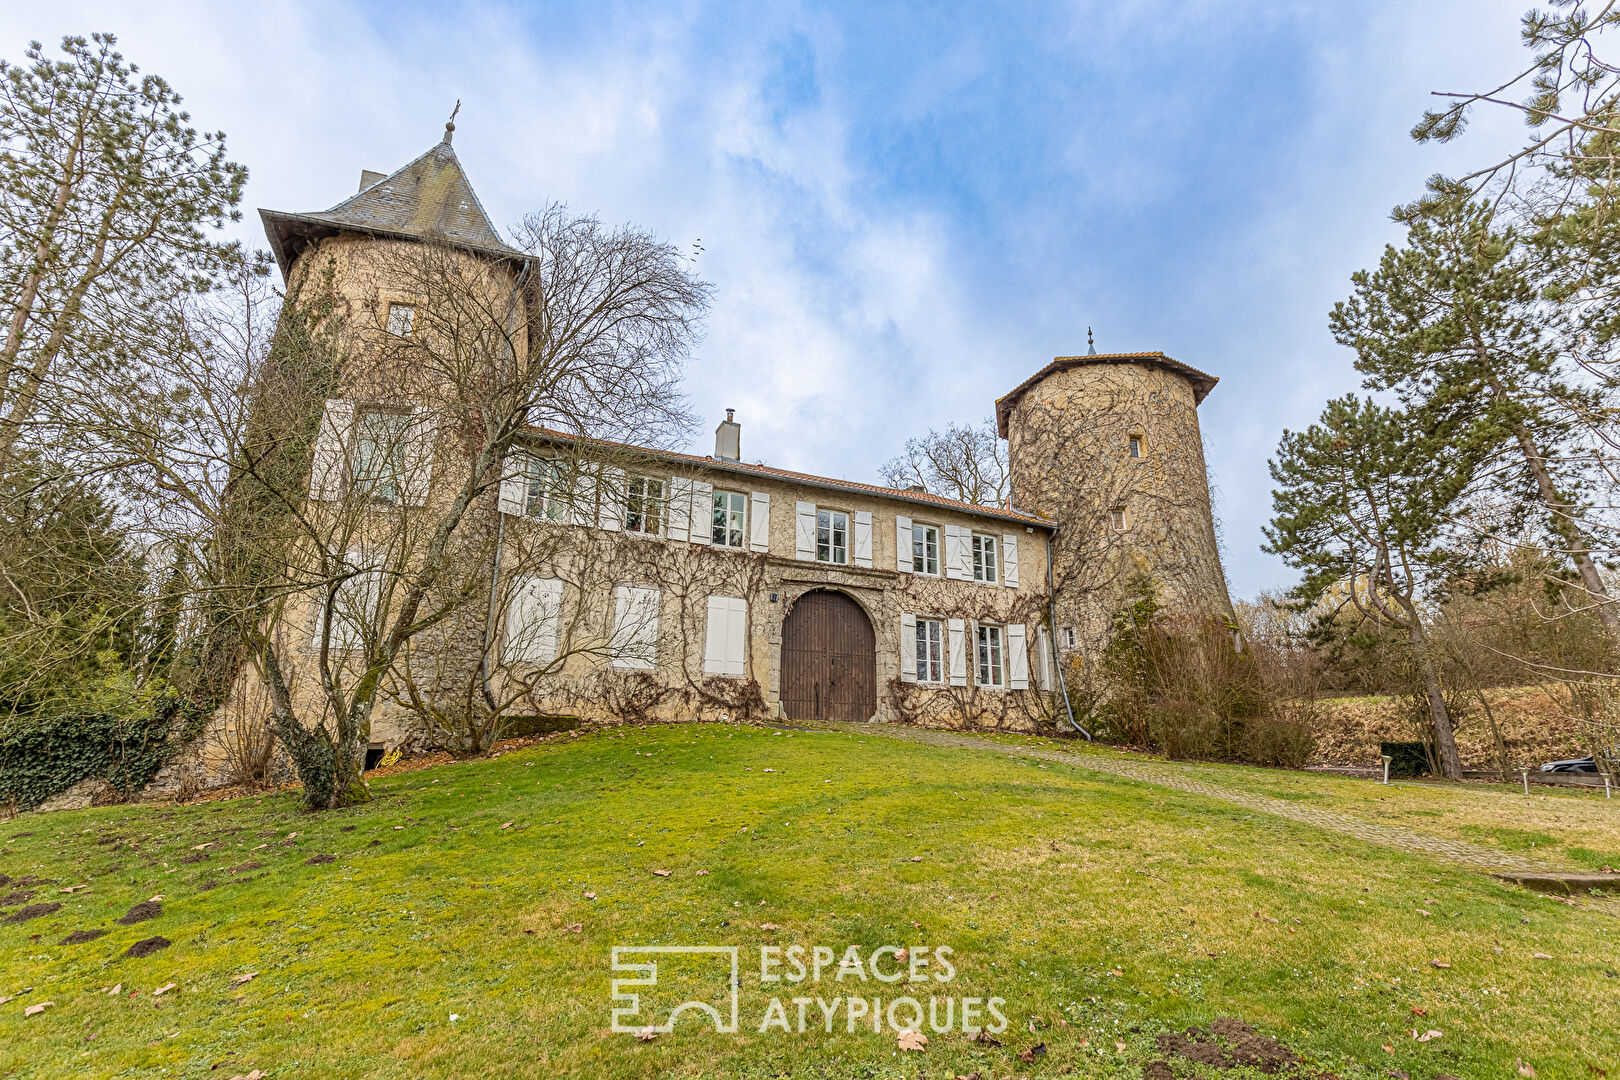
(729, 514)
(1116, 517)
(401, 317)
(546, 495)
(644, 506)
(532, 621)
(378, 467)
(925, 549)
(725, 645)
(635, 627)
(990, 657)
(1066, 636)
(1136, 446)
(930, 650)
(984, 558)
(832, 536)
(355, 603)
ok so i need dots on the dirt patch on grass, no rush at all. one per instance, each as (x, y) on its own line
(195, 857)
(242, 868)
(11, 899)
(320, 860)
(147, 946)
(33, 911)
(146, 909)
(79, 937)
(1225, 1044)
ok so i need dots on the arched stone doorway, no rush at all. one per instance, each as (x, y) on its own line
(829, 659)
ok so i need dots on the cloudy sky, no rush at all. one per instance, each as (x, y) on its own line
(905, 209)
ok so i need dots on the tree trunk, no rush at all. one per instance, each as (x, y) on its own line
(1445, 741)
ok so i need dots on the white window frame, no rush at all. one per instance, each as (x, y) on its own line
(384, 483)
(990, 656)
(834, 521)
(930, 647)
(1136, 446)
(986, 558)
(1066, 637)
(1119, 520)
(544, 479)
(721, 529)
(401, 319)
(643, 510)
(920, 534)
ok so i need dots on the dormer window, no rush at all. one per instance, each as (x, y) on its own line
(401, 317)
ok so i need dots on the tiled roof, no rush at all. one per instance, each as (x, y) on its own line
(921, 498)
(1202, 382)
(428, 199)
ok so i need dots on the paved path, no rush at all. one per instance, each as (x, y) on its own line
(1473, 856)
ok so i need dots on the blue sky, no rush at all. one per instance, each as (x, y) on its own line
(905, 209)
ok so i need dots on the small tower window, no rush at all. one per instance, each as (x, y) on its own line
(1066, 637)
(1116, 517)
(1136, 446)
(401, 317)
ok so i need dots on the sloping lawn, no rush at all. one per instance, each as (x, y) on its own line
(443, 942)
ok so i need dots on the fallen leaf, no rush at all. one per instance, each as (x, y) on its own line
(986, 1038)
(158, 899)
(1084, 1041)
(164, 989)
(1388, 1049)
(199, 847)
(1427, 1035)
(256, 1074)
(646, 1034)
(1036, 1051)
(1438, 964)
(1117, 972)
(119, 989)
(662, 873)
(1420, 911)
(575, 928)
(590, 896)
(1419, 1012)
(770, 770)
(508, 825)
(246, 977)
(398, 827)
(702, 873)
(1524, 1070)
(1119, 1045)
(916, 858)
(35, 1010)
(902, 955)
(1540, 956)
(769, 926)
(911, 1040)
(75, 888)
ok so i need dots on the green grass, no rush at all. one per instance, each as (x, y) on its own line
(1043, 878)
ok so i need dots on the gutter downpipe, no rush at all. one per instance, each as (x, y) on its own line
(1051, 611)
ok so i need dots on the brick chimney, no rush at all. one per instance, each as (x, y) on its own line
(728, 439)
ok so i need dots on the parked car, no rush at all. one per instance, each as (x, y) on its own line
(1580, 764)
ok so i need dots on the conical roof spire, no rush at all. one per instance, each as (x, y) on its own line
(450, 125)
(1091, 346)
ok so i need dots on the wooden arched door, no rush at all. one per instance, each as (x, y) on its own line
(829, 659)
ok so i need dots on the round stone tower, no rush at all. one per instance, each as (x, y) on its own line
(1108, 446)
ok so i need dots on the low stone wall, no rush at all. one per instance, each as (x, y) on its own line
(1536, 726)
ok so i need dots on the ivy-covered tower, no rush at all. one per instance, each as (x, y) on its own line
(1108, 446)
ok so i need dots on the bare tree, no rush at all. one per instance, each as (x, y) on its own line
(964, 463)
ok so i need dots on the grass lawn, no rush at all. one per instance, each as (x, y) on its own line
(443, 942)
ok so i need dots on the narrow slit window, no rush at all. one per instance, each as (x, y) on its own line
(1136, 446)
(1117, 518)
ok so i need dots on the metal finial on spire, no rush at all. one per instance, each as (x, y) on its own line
(450, 125)
(1091, 346)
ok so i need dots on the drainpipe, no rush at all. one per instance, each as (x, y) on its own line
(1051, 609)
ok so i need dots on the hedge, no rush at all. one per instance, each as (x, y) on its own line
(45, 754)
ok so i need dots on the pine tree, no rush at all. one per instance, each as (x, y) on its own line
(1452, 322)
(1365, 506)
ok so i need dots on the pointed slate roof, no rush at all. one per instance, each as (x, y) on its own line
(1202, 382)
(429, 199)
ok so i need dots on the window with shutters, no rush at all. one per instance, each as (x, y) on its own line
(546, 494)
(1117, 518)
(635, 627)
(644, 506)
(991, 656)
(1136, 446)
(930, 651)
(377, 467)
(925, 549)
(832, 537)
(401, 318)
(984, 558)
(730, 515)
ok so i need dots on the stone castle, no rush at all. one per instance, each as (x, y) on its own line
(649, 583)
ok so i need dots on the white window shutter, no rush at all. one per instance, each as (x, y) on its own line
(1017, 658)
(635, 627)
(610, 498)
(725, 644)
(515, 483)
(1009, 560)
(804, 532)
(331, 446)
(863, 538)
(759, 521)
(679, 525)
(958, 553)
(702, 526)
(902, 545)
(957, 631)
(531, 621)
(421, 440)
(908, 648)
